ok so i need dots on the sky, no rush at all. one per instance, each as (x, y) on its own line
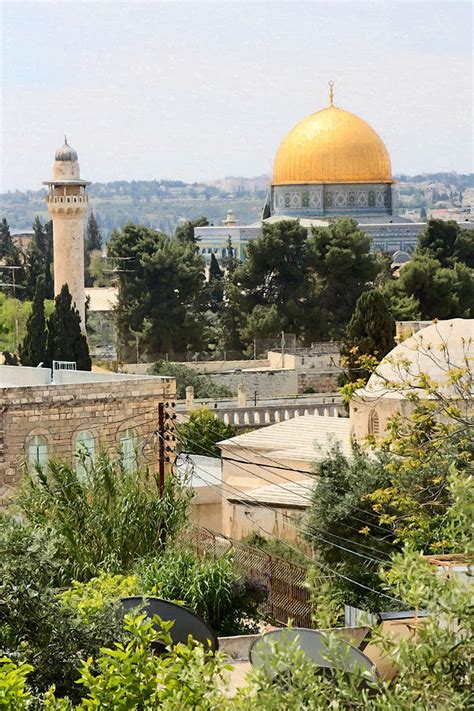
(201, 90)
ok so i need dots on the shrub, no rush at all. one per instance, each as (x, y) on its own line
(201, 432)
(91, 597)
(209, 586)
(34, 627)
(105, 520)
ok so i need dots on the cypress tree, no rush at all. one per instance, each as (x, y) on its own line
(369, 332)
(65, 338)
(32, 350)
(92, 243)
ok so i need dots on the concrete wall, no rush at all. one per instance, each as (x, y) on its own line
(60, 412)
(267, 383)
(241, 520)
(16, 376)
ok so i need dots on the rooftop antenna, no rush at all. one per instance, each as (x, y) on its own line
(65, 139)
(331, 93)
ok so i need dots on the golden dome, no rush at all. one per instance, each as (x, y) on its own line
(332, 146)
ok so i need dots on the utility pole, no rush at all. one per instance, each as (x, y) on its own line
(282, 349)
(161, 447)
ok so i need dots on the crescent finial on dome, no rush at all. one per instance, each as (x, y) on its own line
(331, 93)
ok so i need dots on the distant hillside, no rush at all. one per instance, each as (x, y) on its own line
(163, 203)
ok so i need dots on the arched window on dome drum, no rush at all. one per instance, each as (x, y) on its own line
(129, 450)
(37, 452)
(374, 423)
(85, 452)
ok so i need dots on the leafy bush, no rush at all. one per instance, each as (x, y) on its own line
(209, 586)
(91, 597)
(203, 386)
(105, 520)
(201, 432)
(34, 627)
(277, 547)
(14, 694)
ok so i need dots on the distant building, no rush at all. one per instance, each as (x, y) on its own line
(44, 418)
(332, 164)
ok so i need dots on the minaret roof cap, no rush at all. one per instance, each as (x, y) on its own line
(66, 152)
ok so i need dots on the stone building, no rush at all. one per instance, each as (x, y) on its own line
(68, 204)
(435, 351)
(76, 412)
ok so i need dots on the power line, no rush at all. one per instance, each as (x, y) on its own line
(361, 545)
(331, 543)
(326, 568)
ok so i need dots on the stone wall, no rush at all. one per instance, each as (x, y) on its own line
(268, 383)
(317, 381)
(60, 412)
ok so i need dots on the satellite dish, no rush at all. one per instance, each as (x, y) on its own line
(186, 622)
(314, 644)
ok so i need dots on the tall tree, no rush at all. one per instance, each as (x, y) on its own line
(344, 268)
(65, 338)
(160, 290)
(38, 260)
(32, 350)
(215, 286)
(369, 332)
(277, 277)
(185, 231)
(10, 256)
(92, 247)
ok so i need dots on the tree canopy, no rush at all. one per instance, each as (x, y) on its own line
(32, 350)
(160, 290)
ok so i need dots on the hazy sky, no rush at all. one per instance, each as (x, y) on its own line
(201, 90)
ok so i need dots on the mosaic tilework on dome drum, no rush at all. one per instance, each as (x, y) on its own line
(344, 199)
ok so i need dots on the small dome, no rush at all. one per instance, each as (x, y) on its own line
(332, 146)
(66, 152)
(436, 351)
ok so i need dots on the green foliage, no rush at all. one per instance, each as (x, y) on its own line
(65, 338)
(32, 350)
(184, 232)
(14, 694)
(276, 283)
(210, 586)
(369, 332)
(94, 595)
(92, 246)
(161, 293)
(438, 282)
(340, 515)
(344, 268)
(34, 627)
(202, 431)
(105, 520)
(202, 384)
(13, 312)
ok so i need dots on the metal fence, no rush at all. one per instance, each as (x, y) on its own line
(289, 597)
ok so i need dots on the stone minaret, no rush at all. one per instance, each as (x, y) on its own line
(68, 204)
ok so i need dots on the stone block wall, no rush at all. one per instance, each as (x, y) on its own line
(60, 412)
(268, 383)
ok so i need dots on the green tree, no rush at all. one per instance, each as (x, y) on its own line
(185, 231)
(435, 288)
(65, 338)
(92, 247)
(10, 256)
(369, 332)
(32, 350)
(344, 268)
(439, 240)
(38, 260)
(277, 275)
(202, 431)
(215, 285)
(161, 291)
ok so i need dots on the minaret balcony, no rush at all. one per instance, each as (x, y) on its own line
(67, 199)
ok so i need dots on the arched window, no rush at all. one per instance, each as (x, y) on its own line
(129, 450)
(85, 452)
(374, 424)
(37, 452)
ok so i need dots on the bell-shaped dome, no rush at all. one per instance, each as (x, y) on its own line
(332, 146)
(66, 153)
